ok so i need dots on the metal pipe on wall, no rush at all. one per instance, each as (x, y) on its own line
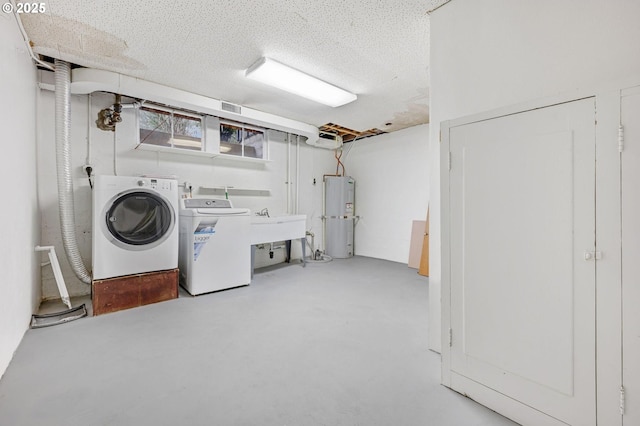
(88, 158)
(115, 155)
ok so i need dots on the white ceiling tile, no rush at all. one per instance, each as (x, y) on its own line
(377, 49)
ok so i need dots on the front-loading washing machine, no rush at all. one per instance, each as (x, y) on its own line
(135, 225)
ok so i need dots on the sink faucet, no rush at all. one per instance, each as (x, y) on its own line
(263, 212)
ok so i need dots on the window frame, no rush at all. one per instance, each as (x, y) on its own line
(149, 106)
(210, 139)
(244, 127)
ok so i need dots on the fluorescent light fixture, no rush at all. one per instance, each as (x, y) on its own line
(281, 76)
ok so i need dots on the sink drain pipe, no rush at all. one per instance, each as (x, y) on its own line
(63, 165)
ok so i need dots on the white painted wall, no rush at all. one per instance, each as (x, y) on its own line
(19, 217)
(96, 147)
(487, 54)
(391, 174)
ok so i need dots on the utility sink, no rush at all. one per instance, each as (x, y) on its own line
(265, 229)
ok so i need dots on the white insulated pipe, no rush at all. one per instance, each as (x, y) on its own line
(297, 174)
(63, 165)
(288, 173)
(57, 273)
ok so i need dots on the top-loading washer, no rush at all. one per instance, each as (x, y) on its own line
(134, 225)
(215, 251)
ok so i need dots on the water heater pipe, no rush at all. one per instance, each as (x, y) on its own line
(63, 165)
(324, 214)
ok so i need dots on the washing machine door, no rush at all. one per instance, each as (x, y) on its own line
(138, 220)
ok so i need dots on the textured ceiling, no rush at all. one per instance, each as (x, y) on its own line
(376, 49)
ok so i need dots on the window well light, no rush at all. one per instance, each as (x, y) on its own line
(275, 74)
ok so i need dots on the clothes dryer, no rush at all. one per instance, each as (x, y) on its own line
(135, 227)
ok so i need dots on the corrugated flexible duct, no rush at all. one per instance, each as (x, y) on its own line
(63, 163)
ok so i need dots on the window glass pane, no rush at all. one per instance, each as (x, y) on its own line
(155, 127)
(187, 132)
(230, 139)
(254, 143)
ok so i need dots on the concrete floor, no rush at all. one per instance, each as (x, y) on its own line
(341, 343)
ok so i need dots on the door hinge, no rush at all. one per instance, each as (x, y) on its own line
(622, 400)
(620, 138)
(450, 337)
(592, 255)
(449, 160)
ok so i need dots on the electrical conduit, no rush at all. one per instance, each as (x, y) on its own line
(63, 164)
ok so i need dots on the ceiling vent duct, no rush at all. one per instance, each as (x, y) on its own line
(326, 141)
(88, 80)
(236, 109)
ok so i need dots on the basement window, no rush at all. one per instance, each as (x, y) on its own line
(243, 141)
(170, 128)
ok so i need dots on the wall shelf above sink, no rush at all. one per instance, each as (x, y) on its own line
(219, 190)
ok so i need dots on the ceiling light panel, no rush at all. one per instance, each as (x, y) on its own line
(278, 75)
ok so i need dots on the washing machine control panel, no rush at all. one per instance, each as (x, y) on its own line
(163, 184)
(204, 203)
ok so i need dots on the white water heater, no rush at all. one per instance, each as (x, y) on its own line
(339, 219)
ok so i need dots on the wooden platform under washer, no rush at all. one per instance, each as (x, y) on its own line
(116, 294)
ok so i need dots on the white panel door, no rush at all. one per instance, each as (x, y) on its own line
(522, 217)
(630, 167)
